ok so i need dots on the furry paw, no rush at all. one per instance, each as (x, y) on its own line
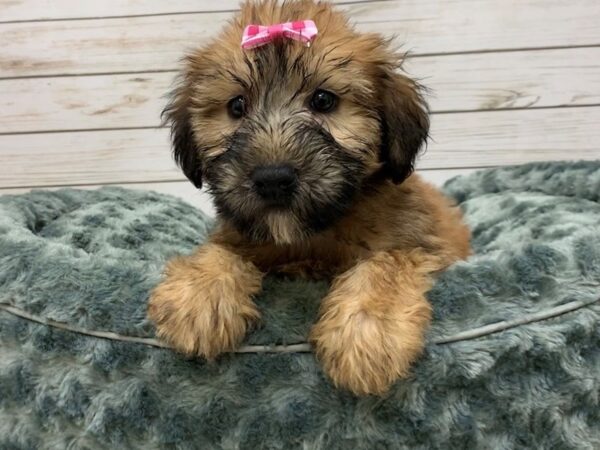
(366, 353)
(204, 305)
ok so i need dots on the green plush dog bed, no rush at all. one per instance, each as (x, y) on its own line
(513, 359)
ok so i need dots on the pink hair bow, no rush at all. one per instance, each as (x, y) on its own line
(257, 35)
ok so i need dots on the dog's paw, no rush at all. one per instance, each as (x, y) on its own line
(365, 353)
(201, 309)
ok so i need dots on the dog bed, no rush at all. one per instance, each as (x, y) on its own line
(512, 361)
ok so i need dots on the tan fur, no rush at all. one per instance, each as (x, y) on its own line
(373, 320)
(224, 55)
(205, 305)
(283, 228)
(383, 252)
(414, 215)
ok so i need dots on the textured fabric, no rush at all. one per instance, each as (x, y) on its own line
(89, 258)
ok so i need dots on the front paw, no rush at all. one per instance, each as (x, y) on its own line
(201, 310)
(365, 353)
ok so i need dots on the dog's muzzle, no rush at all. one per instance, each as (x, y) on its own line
(275, 184)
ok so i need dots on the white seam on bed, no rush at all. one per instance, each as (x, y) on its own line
(304, 347)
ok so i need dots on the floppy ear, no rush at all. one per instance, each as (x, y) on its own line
(185, 150)
(405, 124)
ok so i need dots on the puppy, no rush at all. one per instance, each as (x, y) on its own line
(308, 152)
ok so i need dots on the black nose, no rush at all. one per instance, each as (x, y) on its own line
(275, 183)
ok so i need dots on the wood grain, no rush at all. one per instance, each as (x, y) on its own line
(28, 10)
(86, 158)
(137, 44)
(460, 140)
(79, 103)
(505, 80)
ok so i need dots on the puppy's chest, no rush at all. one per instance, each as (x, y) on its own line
(322, 259)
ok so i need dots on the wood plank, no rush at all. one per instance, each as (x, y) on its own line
(520, 79)
(86, 158)
(200, 198)
(497, 138)
(460, 140)
(426, 26)
(89, 102)
(543, 78)
(27, 10)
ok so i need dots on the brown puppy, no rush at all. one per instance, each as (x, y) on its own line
(308, 152)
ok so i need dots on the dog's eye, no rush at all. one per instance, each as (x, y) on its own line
(237, 107)
(323, 101)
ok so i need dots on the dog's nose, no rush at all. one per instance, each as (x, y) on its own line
(275, 182)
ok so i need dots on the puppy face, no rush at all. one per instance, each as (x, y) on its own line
(285, 135)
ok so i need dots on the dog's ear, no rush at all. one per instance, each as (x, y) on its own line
(404, 123)
(185, 150)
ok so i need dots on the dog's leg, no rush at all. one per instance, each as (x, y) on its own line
(372, 322)
(204, 305)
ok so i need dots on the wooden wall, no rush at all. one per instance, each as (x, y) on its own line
(82, 84)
